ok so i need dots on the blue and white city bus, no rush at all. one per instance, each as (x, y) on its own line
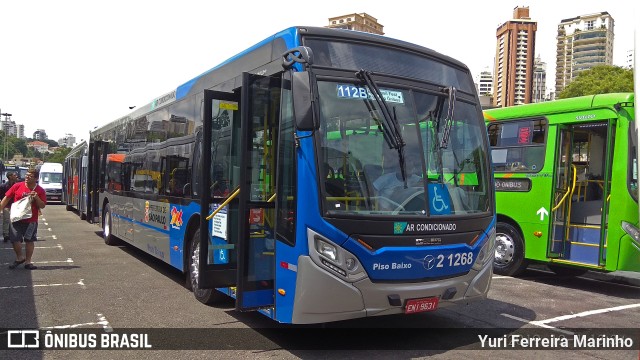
(320, 175)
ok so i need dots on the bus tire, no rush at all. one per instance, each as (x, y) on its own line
(509, 260)
(205, 296)
(566, 271)
(107, 229)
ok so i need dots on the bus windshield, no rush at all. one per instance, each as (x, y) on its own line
(361, 169)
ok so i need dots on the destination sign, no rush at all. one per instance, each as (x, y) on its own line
(513, 185)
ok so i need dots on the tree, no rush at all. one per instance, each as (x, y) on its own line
(599, 79)
(59, 155)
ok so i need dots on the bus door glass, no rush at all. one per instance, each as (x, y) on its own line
(256, 208)
(218, 254)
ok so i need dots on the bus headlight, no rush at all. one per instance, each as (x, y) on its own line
(327, 250)
(631, 230)
(487, 252)
(334, 258)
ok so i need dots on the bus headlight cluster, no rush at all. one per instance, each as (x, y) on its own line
(326, 249)
(631, 230)
(487, 252)
(329, 256)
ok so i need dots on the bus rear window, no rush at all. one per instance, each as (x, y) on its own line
(518, 146)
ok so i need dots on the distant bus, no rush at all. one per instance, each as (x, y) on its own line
(74, 184)
(260, 179)
(566, 179)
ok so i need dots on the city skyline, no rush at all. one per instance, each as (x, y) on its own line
(84, 71)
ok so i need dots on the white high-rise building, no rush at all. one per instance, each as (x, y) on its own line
(539, 80)
(582, 43)
(628, 62)
(68, 140)
(9, 127)
(485, 83)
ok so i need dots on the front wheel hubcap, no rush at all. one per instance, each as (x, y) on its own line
(505, 249)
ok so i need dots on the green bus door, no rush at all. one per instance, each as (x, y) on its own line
(581, 189)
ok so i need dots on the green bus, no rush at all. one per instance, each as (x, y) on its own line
(566, 181)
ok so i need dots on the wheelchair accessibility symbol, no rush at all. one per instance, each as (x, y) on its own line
(440, 203)
(222, 256)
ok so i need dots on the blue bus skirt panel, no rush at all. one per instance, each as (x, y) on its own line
(179, 216)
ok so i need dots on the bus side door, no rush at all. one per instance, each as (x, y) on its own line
(260, 112)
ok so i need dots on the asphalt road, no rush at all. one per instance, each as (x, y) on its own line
(84, 287)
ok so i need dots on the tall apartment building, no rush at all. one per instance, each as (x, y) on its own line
(582, 43)
(629, 60)
(485, 82)
(40, 134)
(68, 140)
(359, 22)
(20, 133)
(9, 127)
(539, 80)
(515, 48)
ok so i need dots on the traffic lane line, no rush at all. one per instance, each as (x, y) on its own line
(58, 246)
(586, 313)
(101, 321)
(81, 283)
(544, 323)
(68, 261)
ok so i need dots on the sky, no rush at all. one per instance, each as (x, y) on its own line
(68, 66)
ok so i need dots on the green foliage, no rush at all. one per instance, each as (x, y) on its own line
(13, 146)
(600, 79)
(59, 155)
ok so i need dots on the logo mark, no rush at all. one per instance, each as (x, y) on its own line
(146, 211)
(429, 262)
(22, 339)
(399, 227)
(176, 218)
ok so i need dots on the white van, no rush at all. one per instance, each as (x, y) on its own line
(50, 180)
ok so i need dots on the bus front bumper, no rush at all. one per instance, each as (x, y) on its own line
(323, 297)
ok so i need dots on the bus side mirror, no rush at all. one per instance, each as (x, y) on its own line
(302, 101)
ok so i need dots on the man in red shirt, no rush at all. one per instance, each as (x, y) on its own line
(25, 230)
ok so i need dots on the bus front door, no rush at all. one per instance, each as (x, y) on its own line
(239, 150)
(581, 188)
(256, 209)
(96, 162)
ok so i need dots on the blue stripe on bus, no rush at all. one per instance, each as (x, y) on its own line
(164, 231)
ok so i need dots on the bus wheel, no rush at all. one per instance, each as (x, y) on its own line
(107, 229)
(205, 296)
(566, 271)
(509, 259)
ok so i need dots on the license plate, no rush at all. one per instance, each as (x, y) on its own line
(421, 305)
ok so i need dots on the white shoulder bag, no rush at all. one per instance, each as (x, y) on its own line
(21, 209)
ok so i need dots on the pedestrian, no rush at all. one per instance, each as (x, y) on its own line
(12, 177)
(25, 230)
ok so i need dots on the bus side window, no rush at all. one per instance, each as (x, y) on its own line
(177, 172)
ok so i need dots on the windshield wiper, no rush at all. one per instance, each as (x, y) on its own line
(448, 121)
(390, 126)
